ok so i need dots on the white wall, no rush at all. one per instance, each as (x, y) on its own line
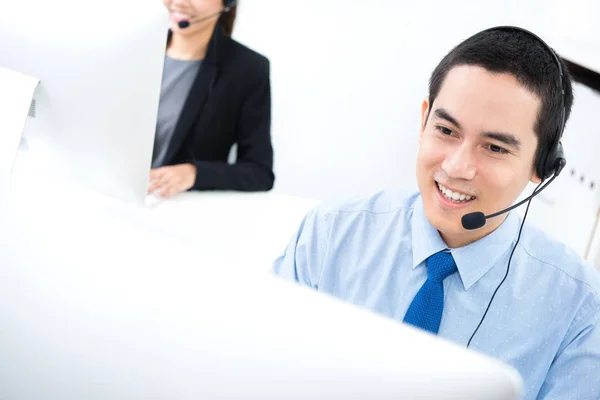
(348, 80)
(568, 208)
(349, 76)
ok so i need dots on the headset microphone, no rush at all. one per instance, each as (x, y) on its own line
(228, 6)
(185, 24)
(477, 219)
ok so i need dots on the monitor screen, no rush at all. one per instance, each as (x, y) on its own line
(100, 72)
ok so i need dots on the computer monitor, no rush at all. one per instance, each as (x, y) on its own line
(99, 305)
(93, 118)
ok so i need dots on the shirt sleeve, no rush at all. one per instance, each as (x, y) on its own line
(574, 372)
(303, 258)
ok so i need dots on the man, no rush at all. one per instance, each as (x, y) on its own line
(493, 113)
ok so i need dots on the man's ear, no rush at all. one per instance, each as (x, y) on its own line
(535, 178)
(424, 115)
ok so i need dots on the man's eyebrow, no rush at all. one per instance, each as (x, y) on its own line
(443, 114)
(506, 138)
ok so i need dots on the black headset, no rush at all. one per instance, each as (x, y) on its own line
(550, 164)
(227, 6)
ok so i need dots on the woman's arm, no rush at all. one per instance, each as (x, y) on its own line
(253, 170)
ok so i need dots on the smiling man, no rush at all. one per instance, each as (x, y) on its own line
(491, 124)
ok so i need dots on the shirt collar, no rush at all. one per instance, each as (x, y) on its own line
(474, 260)
(426, 240)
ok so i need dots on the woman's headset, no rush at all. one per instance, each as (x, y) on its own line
(227, 6)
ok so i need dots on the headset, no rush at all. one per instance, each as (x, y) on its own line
(227, 6)
(551, 162)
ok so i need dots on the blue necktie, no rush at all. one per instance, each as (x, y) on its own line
(425, 311)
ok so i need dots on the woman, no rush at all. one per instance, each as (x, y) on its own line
(215, 93)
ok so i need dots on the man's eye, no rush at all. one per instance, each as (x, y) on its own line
(497, 149)
(444, 130)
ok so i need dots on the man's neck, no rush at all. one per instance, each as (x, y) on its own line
(466, 237)
(190, 47)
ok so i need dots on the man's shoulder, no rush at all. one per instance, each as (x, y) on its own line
(378, 203)
(543, 248)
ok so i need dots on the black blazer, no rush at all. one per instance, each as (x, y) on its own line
(229, 102)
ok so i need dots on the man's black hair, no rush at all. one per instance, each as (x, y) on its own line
(523, 56)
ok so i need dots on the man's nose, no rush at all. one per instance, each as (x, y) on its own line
(460, 163)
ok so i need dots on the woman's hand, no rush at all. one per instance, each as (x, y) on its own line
(171, 180)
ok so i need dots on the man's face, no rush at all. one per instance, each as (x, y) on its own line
(477, 147)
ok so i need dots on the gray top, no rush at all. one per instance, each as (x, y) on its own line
(177, 79)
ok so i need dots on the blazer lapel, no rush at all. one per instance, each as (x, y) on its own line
(197, 96)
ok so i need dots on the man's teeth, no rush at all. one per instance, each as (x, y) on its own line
(454, 196)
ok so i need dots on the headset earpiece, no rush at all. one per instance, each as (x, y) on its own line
(553, 162)
(558, 160)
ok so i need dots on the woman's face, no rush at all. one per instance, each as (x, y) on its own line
(193, 10)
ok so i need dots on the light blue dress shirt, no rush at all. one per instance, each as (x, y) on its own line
(544, 320)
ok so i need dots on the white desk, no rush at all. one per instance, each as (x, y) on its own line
(236, 227)
(113, 304)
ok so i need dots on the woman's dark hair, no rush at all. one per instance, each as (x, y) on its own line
(227, 20)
